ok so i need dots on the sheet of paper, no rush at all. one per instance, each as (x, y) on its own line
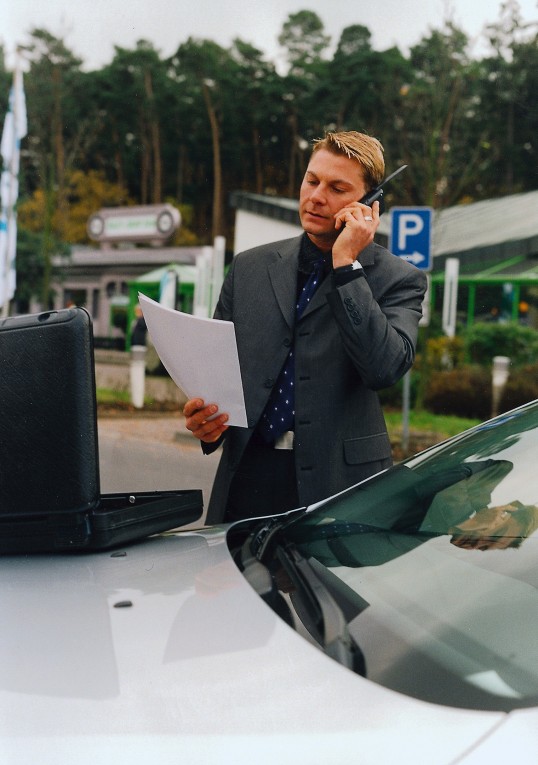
(200, 355)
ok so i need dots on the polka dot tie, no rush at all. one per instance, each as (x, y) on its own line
(279, 414)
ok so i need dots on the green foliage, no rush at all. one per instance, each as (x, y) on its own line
(87, 192)
(119, 317)
(444, 352)
(31, 266)
(6, 80)
(484, 340)
(304, 39)
(108, 396)
(443, 425)
(184, 236)
(435, 352)
(454, 374)
(209, 120)
(143, 121)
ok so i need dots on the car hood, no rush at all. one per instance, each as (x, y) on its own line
(163, 651)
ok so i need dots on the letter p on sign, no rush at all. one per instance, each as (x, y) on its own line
(411, 224)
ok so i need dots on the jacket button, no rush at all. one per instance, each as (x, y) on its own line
(269, 382)
(287, 342)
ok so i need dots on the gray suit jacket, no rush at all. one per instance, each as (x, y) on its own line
(350, 341)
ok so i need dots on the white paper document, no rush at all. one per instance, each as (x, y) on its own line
(200, 355)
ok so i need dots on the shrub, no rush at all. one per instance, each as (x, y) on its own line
(483, 341)
(464, 392)
(445, 352)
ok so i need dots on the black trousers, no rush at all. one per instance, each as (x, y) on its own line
(264, 483)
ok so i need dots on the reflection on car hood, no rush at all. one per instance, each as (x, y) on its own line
(162, 650)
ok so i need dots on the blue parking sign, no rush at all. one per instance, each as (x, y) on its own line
(410, 235)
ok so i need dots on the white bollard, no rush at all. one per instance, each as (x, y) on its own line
(500, 372)
(138, 375)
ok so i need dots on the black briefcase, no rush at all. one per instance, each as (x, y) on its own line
(50, 496)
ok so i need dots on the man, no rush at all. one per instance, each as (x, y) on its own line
(139, 328)
(322, 321)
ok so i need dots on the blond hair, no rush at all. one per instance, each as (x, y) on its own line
(365, 149)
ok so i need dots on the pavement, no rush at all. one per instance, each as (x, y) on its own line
(169, 427)
(165, 428)
(150, 453)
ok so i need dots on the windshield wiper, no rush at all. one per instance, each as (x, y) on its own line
(312, 596)
(318, 610)
(262, 539)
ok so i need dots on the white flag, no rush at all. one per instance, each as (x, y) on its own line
(11, 277)
(15, 128)
(19, 105)
(3, 258)
(8, 137)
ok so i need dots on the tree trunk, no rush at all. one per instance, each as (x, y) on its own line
(47, 242)
(293, 155)
(155, 139)
(509, 178)
(217, 165)
(59, 151)
(118, 160)
(180, 181)
(257, 161)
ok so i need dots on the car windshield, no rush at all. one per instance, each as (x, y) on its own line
(441, 555)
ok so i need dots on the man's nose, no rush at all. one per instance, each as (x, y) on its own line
(318, 195)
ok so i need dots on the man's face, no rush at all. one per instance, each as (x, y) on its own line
(330, 183)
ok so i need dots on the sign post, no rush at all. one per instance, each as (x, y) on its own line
(450, 301)
(410, 239)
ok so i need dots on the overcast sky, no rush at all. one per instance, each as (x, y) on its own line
(91, 28)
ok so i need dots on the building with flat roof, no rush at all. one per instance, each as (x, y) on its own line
(99, 279)
(496, 242)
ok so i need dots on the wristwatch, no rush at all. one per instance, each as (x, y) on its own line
(355, 266)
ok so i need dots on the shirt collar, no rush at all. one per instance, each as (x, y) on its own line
(309, 255)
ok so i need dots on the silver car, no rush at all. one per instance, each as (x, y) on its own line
(396, 622)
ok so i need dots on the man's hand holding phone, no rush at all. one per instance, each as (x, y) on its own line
(356, 224)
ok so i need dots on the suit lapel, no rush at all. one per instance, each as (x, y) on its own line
(319, 298)
(283, 276)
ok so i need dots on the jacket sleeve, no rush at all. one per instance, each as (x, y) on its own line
(377, 317)
(224, 307)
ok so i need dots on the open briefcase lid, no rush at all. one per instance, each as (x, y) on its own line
(50, 496)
